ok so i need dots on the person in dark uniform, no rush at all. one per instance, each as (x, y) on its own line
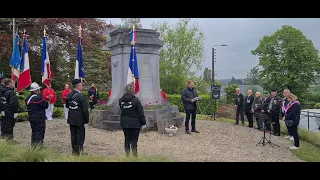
(93, 96)
(256, 109)
(132, 119)
(247, 107)
(285, 103)
(78, 116)
(265, 105)
(274, 111)
(2, 88)
(10, 106)
(189, 98)
(239, 106)
(37, 115)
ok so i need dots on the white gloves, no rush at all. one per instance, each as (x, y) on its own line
(3, 114)
(143, 127)
(15, 115)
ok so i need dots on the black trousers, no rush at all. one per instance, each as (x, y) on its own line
(294, 132)
(239, 111)
(275, 122)
(193, 114)
(92, 105)
(38, 130)
(77, 138)
(131, 137)
(249, 117)
(289, 132)
(7, 126)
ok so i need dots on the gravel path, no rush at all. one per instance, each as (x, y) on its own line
(217, 142)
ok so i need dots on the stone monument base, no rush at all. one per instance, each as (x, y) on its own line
(157, 119)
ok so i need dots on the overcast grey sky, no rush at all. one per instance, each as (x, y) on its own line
(241, 35)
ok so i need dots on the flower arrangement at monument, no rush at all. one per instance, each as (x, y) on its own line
(171, 130)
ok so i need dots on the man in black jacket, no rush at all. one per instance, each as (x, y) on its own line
(10, 105)
(2, 87)
(132, 119)
(274, 110)
(93, 96)
(189, 98)
(239, 106)
(266, 102)
(247, 106)
(37, 115)
(78, 116)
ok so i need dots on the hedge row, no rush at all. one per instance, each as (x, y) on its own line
(205, 105)
(23, 116)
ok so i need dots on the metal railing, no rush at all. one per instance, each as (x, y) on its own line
(310, 120)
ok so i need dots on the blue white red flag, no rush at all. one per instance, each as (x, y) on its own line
(15, 60)
(133, 70)
(46, 69)
(79, 68)
(25, 77)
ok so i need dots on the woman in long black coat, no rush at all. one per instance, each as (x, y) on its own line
(292, 119)
(132, 119)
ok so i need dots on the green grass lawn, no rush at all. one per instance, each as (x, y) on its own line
(20, 153)
(309, 141)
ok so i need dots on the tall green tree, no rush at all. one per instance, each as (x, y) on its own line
(62, 38)
(233, 81)
(207, 75)
(253, 77)
(129, 22)
(181, 55)
(288, 60)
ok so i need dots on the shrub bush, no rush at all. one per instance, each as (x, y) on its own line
(58, 112)
(205, 105)
(230, 92)
(317, 106)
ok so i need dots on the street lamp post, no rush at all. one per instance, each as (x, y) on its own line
(213, 58)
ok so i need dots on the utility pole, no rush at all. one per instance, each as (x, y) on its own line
(213, 60)
(212, 69)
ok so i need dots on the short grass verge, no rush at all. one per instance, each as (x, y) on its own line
(20, 153)
(309, 145)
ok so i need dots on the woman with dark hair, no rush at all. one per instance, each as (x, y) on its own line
(132, 119)
(292, 118)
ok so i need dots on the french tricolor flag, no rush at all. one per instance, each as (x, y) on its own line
(46, 69)
(133, 71)
(15, 60)
(25, 77)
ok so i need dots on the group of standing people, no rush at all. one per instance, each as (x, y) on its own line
(288, 109)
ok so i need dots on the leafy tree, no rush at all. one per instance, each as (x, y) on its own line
(207, 75)
(181, 55)
(288, 60)
(233, 81)
(129, 22)
(62, 37)
(230, 92)
(201, 85)
(253, 89)
(239, 81)
(253, 77)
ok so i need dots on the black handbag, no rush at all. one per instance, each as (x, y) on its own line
(289, 123)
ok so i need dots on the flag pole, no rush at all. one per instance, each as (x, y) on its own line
(132, 46)
(80, 29)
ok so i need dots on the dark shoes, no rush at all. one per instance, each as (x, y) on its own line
(195, 131)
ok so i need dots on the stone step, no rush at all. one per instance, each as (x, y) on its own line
(111, 125)
(173, 114)
(114, 118)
